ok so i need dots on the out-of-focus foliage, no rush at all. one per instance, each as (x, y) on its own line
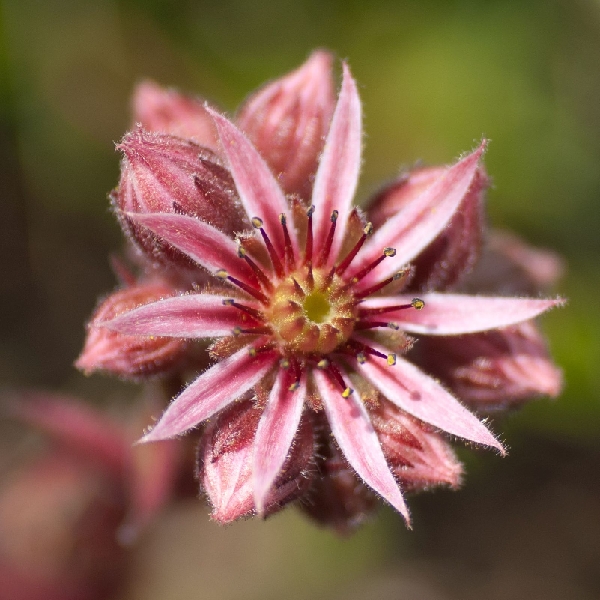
(435, 77)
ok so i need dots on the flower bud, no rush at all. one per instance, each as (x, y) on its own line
(418, 457)
(495, 369)
(129, 356)
(288, 119)
(225, 464)
(510, 266)
(163, 173)
(454, 252)
(167, 111)
(338, 498)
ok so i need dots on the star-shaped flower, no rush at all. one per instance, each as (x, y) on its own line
(310, 312)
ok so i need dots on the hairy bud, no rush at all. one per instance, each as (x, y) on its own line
(418, 457)
(165, 174)
(287, 121)
(494, 369)
(129, 356)
(167, 111)
(225, 464)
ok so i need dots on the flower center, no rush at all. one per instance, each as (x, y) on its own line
(316, 307)
(311, 312)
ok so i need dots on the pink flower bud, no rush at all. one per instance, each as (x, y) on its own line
(129, 356)
(167, 111)
(164, 174)
(338, 498)
(226, 458)
(494, 369)
(509, 265)
(418, 457)
(454, 252)
(287, 121)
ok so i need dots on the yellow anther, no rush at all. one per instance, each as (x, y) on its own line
(237, 330)
(222, 274)
(346, 393)
(399, 274)
(241, 251)
(310, 211)
(389, 252)
(323, 363)
(361, 358)
(334, 216)
(284, 363)
(391, 359)
(228, 302)
(257, 223)
(368, 229)
(282, 219)
(418, 303)
(294, 386)
(252, 352)
(393, 326)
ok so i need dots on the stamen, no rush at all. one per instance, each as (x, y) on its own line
(335, 374)
(309, 237)
(255, 314)
(251, 330)
(260, 274)
(284, 363)
(363, 350)
(257, 223)
(222, 274)
(378, 286)
(387, 253)
(327, 248)
(416, 303)
(352, 254)
(289, 250)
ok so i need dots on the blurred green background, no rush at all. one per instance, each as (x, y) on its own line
(434, 76)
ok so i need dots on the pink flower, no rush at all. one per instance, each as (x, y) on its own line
(311, 311)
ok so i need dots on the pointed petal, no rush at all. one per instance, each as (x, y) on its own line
(203, 243)
(421, 396)
(413, 228)
(337, 176)
(190, 316)
(276, 430)
(259, 191)
(212, 391)
(358, 441)
(287, 121)
(454, 314)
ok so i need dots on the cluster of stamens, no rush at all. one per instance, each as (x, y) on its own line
(310, 310)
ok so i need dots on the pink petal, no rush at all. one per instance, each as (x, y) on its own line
(259, 191)
(413, 228)
(212, 391)
(276, 430)
(358, 441)
(337, 176)
(189, 316)
(421, 396)
(203, 243)
(454, 314)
